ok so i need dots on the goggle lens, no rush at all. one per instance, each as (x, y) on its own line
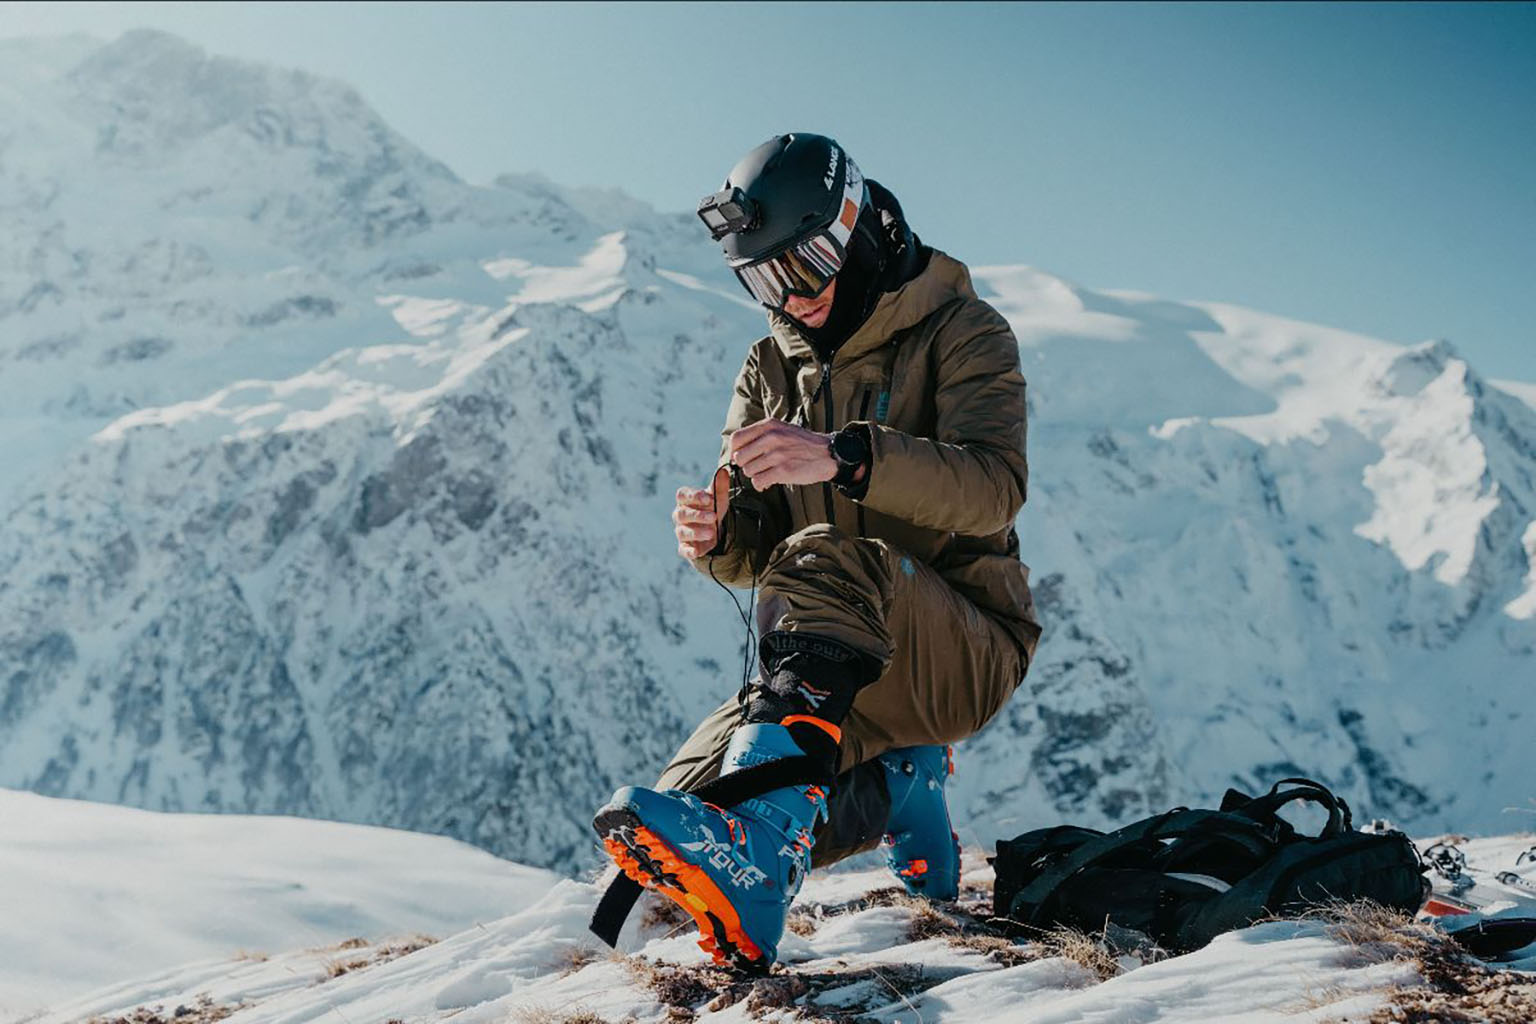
(803, 269)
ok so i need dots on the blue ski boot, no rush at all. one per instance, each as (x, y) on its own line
(920, 846)
(735, 871)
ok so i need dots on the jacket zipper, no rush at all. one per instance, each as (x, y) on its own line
(826, 390)
(863, 414)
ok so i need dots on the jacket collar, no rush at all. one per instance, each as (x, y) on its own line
(944, 278)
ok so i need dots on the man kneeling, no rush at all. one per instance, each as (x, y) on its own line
(876, 443)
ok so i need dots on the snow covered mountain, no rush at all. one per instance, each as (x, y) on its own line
(338, 487)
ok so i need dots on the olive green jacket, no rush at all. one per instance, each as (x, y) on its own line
(934, 375)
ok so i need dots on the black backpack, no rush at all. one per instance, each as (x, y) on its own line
(1184, 877)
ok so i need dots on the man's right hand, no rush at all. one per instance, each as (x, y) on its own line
(696, 521)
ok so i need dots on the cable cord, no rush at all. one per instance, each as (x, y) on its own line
(749, 652)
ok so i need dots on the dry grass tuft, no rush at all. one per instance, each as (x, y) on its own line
(891, 982)
(1457, 987)
(1506, 1004)
(683, 988)
(679, 986)
(402, 947)
(202, 1011)
(1377, 932)
(251, 955)
(729, 996)
(998, 949)
(778, 992)
(965, 925)
(802, 923)
(540, 1015)
(1082, 949)
(891, 896)
(336, 968)
(1317, 998)
(573, 957)
(929, 922)
(687, 991)
(658, 913)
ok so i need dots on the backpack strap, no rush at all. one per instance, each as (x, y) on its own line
(1340, 820)
(1030, 904)
(1022, 858)
(722, 791)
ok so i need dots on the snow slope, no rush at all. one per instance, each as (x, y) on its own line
(853, 952)
(338, 487)
(516, 967)
(93, 894)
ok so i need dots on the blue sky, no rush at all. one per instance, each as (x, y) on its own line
(1368, 166)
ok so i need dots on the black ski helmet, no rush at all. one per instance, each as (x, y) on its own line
(786, 213)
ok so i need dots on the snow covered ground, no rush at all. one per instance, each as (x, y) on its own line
(111, 911)
(94, 893)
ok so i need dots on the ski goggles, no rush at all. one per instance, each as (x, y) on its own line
(804, 269)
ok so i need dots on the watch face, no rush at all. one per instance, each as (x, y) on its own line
(848, 448)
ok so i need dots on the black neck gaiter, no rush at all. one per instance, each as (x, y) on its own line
(883, 255)
(858, 289)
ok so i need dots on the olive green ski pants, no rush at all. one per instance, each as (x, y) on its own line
(948, 668)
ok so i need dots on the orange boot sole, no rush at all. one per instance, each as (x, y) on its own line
(652, 863)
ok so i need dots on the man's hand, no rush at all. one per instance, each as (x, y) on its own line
(696, 521)
(774, 452)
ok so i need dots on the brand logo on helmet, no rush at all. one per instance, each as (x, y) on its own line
(831, 169)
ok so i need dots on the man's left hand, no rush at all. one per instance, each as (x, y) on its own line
(774, 452)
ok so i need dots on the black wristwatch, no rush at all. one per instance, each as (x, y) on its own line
(850, 449)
